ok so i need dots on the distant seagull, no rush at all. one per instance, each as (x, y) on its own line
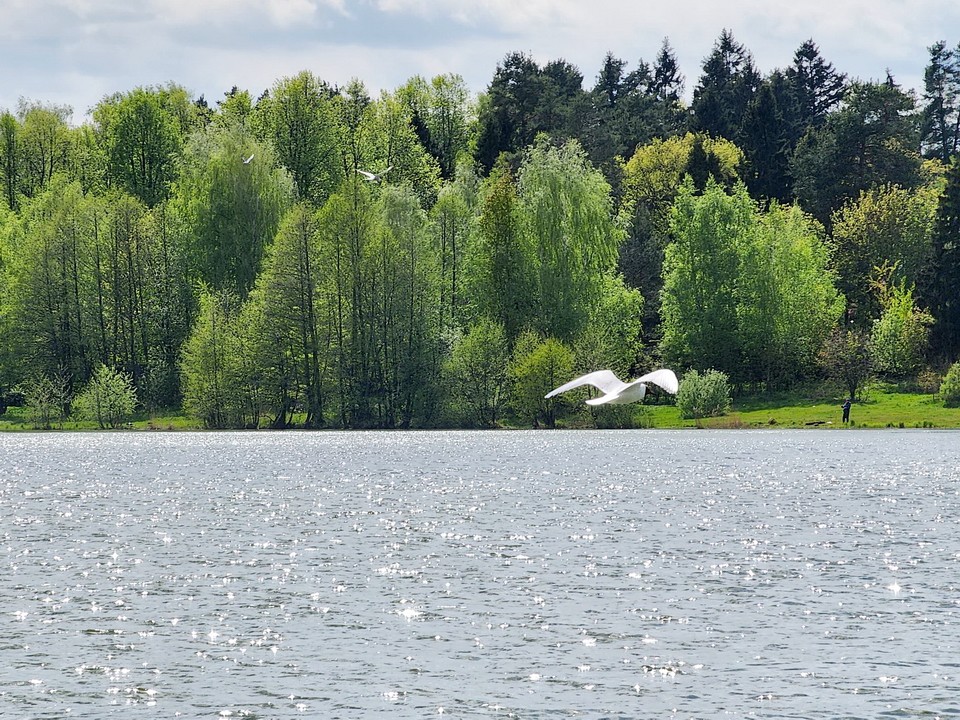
(247, 160)
(374, 177)
(617, 392)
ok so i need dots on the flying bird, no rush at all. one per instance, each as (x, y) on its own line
(617, 392)
(246, 161)
(374, 177)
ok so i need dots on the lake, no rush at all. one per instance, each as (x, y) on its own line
(503, 574)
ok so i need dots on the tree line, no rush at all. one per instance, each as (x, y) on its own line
(233, 261)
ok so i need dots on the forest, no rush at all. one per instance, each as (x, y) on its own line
(317, 257)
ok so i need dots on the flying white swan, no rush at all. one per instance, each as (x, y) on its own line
(374, 177)
(617, 392)
(246, 161)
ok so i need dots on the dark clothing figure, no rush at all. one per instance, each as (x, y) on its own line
(846, 410)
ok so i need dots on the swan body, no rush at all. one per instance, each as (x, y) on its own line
(374, 177)
(617, 392)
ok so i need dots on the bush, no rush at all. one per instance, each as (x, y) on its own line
(109, 398)
(950, 387)
(704, 395)
(46, 399)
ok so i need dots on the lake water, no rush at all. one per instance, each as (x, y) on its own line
(540, 574)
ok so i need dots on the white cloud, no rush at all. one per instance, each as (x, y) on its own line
(75, 51)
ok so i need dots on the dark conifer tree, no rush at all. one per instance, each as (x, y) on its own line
(942, 278)
(726, 87)
(941, 111)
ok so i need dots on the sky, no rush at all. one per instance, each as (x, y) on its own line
(76, 52)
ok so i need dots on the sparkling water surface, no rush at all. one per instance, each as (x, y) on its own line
(514, 574)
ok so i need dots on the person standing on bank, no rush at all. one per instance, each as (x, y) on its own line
(846, 410)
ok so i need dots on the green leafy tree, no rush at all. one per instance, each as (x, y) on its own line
(537, 367)
(887, 226)
(43, 145)
(787, 300)
(651, 180)
(477, 374)
(845, 358)
(48, 284)
(109, 398)
(218, 385)
(699, 307)
(949, 392)
(451, 219)
(290, 322)
(898, 338)
(10, 159)
(47, 398)
(501, 277)
(440, 112)
(299, 116)
(143, 133)
(703, 395)
(229, 210)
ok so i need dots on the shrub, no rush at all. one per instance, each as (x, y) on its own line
(950, 387)
(109, 398)
(46, 399)
(705, 395)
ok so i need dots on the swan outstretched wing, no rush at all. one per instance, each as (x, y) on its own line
(367, 175)
(663, 378)
(603, 380)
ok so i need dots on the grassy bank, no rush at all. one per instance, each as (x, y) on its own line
(881, 406)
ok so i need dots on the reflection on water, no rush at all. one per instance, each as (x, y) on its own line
(501, 574)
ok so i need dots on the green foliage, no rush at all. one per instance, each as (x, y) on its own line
(885, 226)
(567, 213)
(501, 277)
(142, 134)
(220, 385)
(229, 210)
(299, 117)
(845, 358)
(898, 339)
(538, 366)
(477, 373)
(46, 398)
(746, 293)
(109, 398)
(703, 395)
(950, 387)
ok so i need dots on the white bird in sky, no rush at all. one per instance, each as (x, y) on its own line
(374, 177)
(246, 161)
(617, 392)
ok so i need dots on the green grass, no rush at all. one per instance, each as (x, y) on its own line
(881, 406)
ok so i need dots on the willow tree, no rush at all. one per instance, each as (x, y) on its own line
(229, 209)
(567, 211)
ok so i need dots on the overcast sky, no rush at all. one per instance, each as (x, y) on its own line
(75, 52)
